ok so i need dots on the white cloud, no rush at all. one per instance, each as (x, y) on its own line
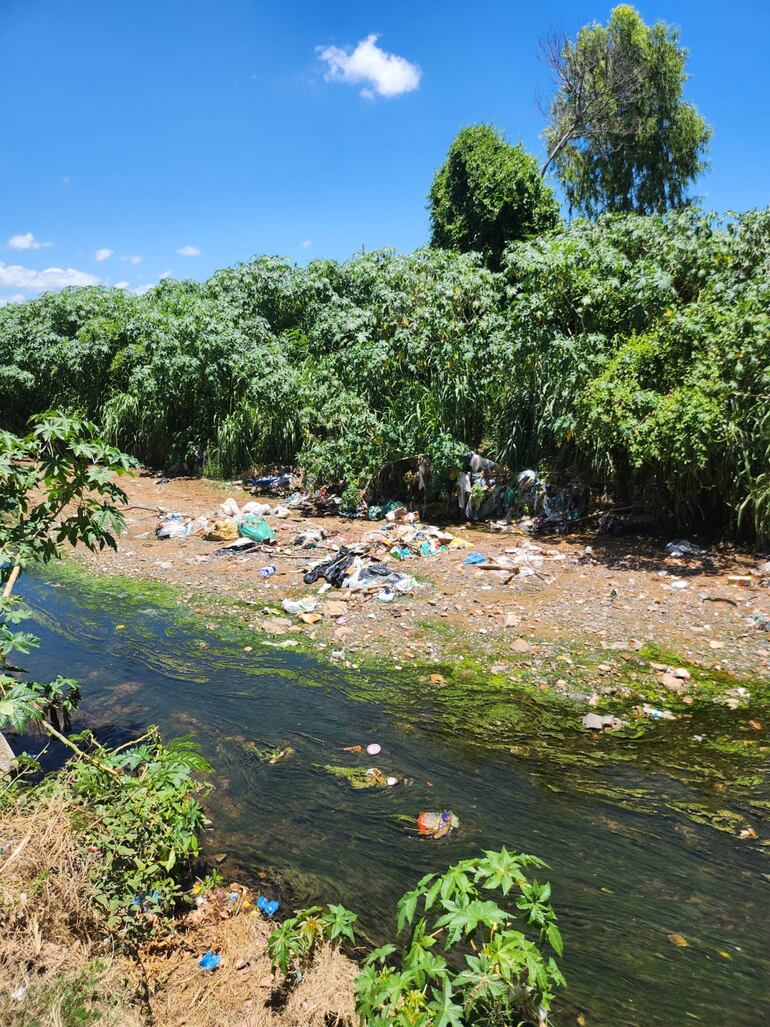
(16, 297)
(308, 242)
(141, 290)
(384, 73)
(165, 274)
(121, 285)
(15, 276)
(135, 259)
(189, 251)
(27, 241)
(103, 253)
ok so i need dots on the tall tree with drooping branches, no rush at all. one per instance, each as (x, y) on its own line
(620, 135)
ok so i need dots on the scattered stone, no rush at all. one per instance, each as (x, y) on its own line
(671, 681)
(597, 722)
(276, 626)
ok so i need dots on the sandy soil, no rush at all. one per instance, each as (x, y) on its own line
(603, 593)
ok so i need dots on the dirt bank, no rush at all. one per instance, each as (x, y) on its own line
(601, 593)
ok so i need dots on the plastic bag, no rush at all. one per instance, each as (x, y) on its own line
(297, 606)
(260, 509)
(474, 558)
(171, 529)
(224, 529)
(257, 529)
(230, 509)
(437, 824)
(198, 527)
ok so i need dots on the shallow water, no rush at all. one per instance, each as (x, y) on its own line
(622, 879)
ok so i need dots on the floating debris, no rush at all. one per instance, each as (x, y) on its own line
(360, 777)
(437, 824)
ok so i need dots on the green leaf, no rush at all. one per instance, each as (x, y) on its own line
(447, 1013)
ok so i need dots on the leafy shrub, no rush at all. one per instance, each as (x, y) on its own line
(488, 194)
(135, 811)
(506, 974)
(293, 944)
(139, 810)
(496, 965)
(135, 807)
(634, 350)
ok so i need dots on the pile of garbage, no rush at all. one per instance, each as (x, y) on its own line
(486, 491)
(280, 482)
(229, 523)
(551, 506)
(367, 566)
(353, 568)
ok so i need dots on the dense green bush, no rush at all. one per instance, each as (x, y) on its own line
(488, 193)
(632, 350)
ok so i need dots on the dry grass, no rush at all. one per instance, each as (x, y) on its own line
(44, 896)
(57, 968)
(242, 991)
(52, 957)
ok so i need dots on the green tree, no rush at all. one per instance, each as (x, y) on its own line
(56, 487)
(488, 194)
(620, 136)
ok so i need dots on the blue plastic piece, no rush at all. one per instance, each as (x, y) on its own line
(144, 899)
(474, 558)
(209, 960)
(268, 908)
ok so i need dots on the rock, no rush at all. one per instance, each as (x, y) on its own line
(596, 722)
(276, 626)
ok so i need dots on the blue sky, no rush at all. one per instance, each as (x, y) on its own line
(179, 136)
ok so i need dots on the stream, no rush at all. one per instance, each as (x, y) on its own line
(623, 879)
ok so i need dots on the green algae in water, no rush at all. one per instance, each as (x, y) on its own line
(512, 713)
(270, 756)
(362, 778)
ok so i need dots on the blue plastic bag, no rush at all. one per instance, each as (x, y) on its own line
(475, 558)
(209, 960)
(268, 908)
